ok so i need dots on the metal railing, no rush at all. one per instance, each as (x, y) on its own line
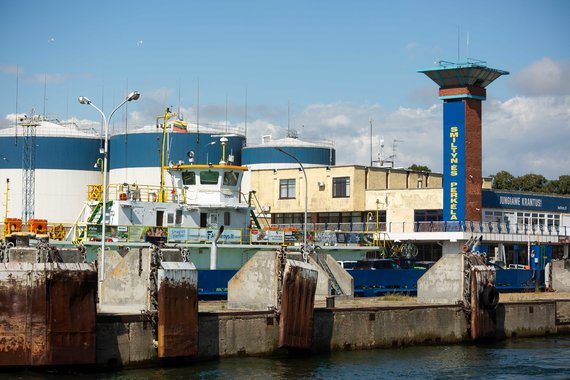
(362, 234)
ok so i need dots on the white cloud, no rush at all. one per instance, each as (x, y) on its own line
(159, 94)
(11, 69)
(58, 78)
(521, 135)
(544, 77)
(411, 45)
(527, 135)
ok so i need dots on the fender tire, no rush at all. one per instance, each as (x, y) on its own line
(490, 298)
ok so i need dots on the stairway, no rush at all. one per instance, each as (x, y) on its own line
(322, 261)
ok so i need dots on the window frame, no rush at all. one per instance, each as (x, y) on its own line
(338, 184)
(288, 188)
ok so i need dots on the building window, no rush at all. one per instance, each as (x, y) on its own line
(226, 218)
(428, 215)
(188, 178)
(344, 217)
(521, 217)
(230, 178)
(209, 178)
(290, 218)
(287, 188)
(341, 187)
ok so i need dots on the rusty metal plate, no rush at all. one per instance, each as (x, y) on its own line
(72, 317)
(297, 303)
(47, 314)
(177, 310)
(483, 321)
(14, 316)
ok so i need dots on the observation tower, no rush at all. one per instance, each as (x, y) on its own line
(462, 87)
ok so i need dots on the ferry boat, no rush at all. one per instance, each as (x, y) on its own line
(201, 199)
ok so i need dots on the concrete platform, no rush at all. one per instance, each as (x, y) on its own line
(390, 301)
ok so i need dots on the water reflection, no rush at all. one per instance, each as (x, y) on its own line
(517, 359)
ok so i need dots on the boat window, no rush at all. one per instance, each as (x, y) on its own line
(231, 178)
(209, 178)
(188, 178)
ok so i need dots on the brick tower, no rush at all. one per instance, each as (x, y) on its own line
(462, 89)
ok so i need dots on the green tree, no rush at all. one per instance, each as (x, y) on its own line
(420, 168)
(503, 180)
(561, 185)
(530, 182)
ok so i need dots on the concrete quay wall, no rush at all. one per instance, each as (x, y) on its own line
(126, 340)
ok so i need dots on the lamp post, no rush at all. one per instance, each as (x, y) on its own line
(83, 100)
(306, 193)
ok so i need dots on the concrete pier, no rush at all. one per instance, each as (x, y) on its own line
(126, 340)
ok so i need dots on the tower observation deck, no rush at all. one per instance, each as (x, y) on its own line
(462, 87)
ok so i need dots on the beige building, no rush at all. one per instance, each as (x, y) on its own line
(348, 194)
(399, 204)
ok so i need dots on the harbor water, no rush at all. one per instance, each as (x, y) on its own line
(537, 358)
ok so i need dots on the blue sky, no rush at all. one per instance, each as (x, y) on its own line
(333, 64)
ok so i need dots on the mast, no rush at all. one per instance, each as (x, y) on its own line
(167, 115)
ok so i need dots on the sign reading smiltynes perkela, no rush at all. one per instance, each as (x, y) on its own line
(454, 161)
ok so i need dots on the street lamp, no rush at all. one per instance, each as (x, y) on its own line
(306, 193)
(83, 100)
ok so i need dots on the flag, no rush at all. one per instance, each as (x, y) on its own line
(180, 126)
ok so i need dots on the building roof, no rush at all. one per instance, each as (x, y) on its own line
(45, 128)
(470, 74)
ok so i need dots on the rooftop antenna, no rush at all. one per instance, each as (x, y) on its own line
(179, 113)
(381, 154)
(394, 150)
(198, 114)
(226, 113)
(467, 52)
(458, 35)
(245, 115)
(370, 120)
(16, 121)
(288, 116)
(45, 93)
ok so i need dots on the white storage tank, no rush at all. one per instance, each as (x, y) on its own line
(135, 157)
(64, 158)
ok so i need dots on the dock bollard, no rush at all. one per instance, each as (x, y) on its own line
(330, 302)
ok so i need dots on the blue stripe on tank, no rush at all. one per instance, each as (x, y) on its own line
(144, 149)
(307, 155)
(51, 153)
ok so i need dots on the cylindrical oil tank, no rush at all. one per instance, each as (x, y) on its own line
(310, 153)
(136, 156)
(57, 162)
(266, 155)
